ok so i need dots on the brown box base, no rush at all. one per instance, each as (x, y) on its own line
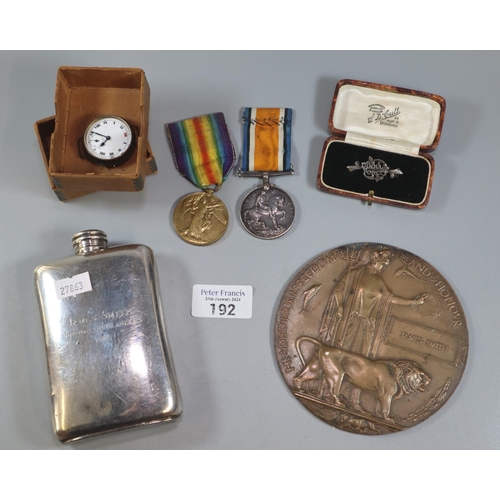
(44, 129)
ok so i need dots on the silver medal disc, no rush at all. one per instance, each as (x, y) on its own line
(267, 212)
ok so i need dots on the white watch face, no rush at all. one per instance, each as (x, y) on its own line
(108, 138)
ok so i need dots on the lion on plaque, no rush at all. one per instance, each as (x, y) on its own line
(387, 380)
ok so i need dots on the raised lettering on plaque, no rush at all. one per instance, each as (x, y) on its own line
(370, 338)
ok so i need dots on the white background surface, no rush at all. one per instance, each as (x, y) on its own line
(233, 394)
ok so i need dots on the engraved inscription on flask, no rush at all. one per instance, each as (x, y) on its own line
(109, 363)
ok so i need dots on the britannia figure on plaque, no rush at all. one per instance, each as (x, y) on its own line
(357, 311)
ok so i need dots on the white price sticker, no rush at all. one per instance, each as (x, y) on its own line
(68, 287)
(222, 301)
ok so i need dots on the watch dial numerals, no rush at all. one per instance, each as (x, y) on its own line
(108, 138)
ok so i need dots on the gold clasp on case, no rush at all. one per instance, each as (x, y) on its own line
(371, 194)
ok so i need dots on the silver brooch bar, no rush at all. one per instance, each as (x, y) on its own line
(375, 169)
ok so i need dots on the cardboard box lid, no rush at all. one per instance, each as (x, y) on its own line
(388, 117)
(101, 77)
(82, 94)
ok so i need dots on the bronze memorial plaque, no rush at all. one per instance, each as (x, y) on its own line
(370, 338)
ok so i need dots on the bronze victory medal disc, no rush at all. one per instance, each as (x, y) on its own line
(200, 218)
(370, 338)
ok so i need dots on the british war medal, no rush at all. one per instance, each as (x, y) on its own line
(267, 212)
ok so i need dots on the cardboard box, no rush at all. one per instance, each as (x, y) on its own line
(82, 94)
(44, 129)
(381, 139)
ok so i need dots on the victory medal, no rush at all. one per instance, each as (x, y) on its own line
(204, 154)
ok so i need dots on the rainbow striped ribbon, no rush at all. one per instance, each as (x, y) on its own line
(267, 140)
(202, 148)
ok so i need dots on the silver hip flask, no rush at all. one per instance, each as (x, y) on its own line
(109, 363)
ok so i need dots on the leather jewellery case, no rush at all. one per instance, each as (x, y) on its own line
(379, 150)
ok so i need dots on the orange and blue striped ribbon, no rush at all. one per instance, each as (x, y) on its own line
(202, 148)
(267, 140)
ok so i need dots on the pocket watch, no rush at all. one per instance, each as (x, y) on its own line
(108, 141)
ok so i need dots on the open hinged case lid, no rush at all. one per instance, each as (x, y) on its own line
(381, 139)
